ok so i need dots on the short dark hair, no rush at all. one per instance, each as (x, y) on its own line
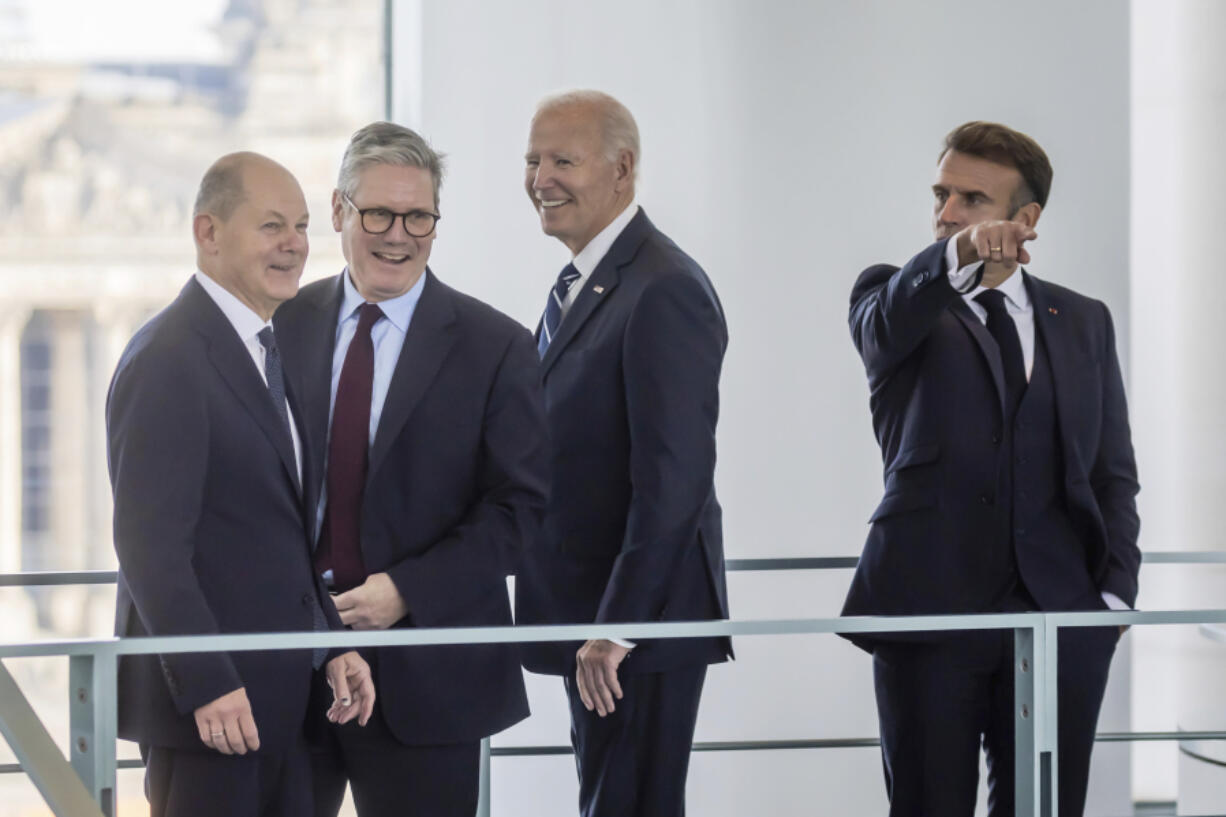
(1005, 146)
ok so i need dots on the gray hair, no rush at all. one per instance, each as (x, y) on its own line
(385, 143)
(221, 190)
(618, 130)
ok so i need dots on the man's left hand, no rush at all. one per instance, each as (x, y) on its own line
(353, 689)
(596, 674)
(373, 605)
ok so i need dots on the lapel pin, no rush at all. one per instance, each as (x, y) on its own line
(1053, 310)
(598, 289)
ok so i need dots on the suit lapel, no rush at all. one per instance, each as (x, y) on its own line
(430, 337)
(233, 362)
(315, 338)
(987, 345)
(1050, 325)
(603, 281)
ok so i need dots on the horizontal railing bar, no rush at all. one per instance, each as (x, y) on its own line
(51, 578)
(793, 563)
(757, 745)
(853, 625)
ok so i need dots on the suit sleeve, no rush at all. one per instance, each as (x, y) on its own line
(1113, 478)
(479, 553)
(672, 354)
(158, 435)
(893, 310)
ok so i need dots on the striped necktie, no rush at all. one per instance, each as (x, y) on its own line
(553, 307)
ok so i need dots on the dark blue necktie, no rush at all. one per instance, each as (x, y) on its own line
(276, 389)
(1003, 329)
(553, 307)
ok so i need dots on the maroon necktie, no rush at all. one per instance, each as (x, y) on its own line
(348, 451)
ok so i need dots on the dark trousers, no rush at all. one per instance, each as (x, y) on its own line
(634, 761)
(388, 778)
(191, 782)
(937, 702)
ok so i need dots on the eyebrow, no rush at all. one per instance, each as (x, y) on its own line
(963, 191)
(277, 215)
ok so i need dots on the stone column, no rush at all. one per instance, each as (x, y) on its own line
(13, 318)
(1178, 378)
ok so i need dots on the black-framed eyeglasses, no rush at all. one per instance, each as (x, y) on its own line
(378, 220)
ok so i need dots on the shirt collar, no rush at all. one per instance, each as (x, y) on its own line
(398, 310)
(1013, 288)
(590, 256)
(242, 317)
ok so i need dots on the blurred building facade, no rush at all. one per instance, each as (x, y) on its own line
(99, 163)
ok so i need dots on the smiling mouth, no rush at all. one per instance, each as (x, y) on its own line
(391, 258)
(284, 267)
(551, 204)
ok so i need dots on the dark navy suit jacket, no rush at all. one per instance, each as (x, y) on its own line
(633, 531)
(209, 527)
(937, 399)
(456, 484)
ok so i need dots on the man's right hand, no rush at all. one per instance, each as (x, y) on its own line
(227, 724)
(999, 244)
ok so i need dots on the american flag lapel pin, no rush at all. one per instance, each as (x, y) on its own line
(598, 289)
(1053, 310)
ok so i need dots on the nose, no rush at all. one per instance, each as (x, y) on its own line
(539, 179)
(297, 243)
(951, 212)
(397, 234)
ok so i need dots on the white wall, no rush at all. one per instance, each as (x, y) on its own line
(787, 145)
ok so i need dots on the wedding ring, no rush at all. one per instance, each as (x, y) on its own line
(994, 249)
(218, 734)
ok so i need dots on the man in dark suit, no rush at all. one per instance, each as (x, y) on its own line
(1010, 481)
(424, 410)
(631, 345)
(206, 466)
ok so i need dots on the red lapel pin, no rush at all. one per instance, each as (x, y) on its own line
(1053, 310)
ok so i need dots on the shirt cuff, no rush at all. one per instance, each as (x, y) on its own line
(621, 642)
(1115, 602)
(959, 278)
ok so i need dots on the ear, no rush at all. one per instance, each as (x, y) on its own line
(1028, 214)
(624, 170)
(204, 229)
(338, 210)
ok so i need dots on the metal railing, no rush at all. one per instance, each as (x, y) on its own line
(85, 784)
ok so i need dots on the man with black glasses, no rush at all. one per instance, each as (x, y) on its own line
(427, 473)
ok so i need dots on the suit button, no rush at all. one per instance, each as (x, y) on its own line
(986, 499)
(1020, 531)
(921, 278)
(1021, 460)
(308, 599)
(995, 439)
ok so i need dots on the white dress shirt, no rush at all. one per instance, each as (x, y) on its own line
(248, 325)
(1017, 303)
(593, 253)
(387, 336)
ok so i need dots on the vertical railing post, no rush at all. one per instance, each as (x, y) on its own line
(91, 707)
(1025, 757)
(1046, 700)
(483, 790)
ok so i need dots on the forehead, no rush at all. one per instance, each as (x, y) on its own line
(396, 187)
(572, 127)
(966, 172)
(271, 189)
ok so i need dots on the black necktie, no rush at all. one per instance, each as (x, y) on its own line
(1004, 331)
(276, 389)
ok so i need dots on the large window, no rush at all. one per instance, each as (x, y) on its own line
(109, 115)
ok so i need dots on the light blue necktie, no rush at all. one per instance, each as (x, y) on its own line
(553, 307)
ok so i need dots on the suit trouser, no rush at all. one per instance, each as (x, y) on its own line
(635, 760)
(937, 701)
(204, 782)
(388, 778)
